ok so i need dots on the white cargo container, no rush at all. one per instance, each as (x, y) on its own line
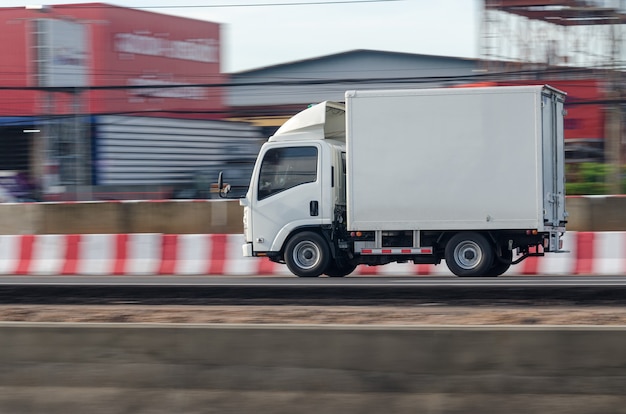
(452, 159)
(474, 176)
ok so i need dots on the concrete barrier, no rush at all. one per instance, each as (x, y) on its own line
(115, 368)
(25, 218)
(590, 253)
(169, 217)
(589, 213)
(596, 213)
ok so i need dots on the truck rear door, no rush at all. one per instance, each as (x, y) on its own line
(553, 158)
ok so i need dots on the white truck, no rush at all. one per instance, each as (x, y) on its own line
(472, 176)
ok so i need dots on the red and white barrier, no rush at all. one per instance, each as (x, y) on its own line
(590, 253)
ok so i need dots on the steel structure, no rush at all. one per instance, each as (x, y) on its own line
(555, 32)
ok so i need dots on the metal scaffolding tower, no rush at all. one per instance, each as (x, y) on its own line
(555, 32)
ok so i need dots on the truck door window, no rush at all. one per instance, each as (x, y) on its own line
(284, 168)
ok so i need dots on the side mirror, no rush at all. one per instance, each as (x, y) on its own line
(222, 189)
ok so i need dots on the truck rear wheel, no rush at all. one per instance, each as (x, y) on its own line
(501, 266)
(339, 268)
(469, 254)
(307, 254)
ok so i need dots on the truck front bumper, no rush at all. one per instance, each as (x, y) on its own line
(247, 249)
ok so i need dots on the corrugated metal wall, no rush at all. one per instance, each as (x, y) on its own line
(156, 151)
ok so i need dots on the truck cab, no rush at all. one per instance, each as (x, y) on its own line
(297, 186)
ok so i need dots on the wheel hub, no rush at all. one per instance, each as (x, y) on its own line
(306, 255)
(468, 255)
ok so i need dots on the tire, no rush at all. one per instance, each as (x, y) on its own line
(499, 267)
(307, 254)
(469, 254)
(339, 268)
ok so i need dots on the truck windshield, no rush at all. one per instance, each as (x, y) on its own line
(284, 168)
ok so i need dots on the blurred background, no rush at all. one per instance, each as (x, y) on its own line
(104, 102)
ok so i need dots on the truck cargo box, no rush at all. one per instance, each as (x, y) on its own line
(455, 159)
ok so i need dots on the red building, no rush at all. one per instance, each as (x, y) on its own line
(109, 49)
(82, 87)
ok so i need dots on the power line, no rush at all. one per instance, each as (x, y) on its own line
(327, 83)
(313, 81)
(307, 3)
(216, 6)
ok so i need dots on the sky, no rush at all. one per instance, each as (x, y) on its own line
(258, 33)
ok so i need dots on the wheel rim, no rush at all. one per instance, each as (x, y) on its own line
(306, 255)
(468, 255)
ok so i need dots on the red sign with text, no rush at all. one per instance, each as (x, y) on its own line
(137, 62)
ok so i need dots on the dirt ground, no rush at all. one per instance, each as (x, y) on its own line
(353, 315)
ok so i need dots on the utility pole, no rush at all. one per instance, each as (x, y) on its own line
(613, 140)
(612, 146)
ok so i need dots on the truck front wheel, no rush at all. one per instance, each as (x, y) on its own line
(307, 254)
(469, 254)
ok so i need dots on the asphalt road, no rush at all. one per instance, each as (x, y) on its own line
(390, 290)
(269, 281)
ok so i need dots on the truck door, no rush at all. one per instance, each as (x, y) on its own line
(553, 159)
(287, 194)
